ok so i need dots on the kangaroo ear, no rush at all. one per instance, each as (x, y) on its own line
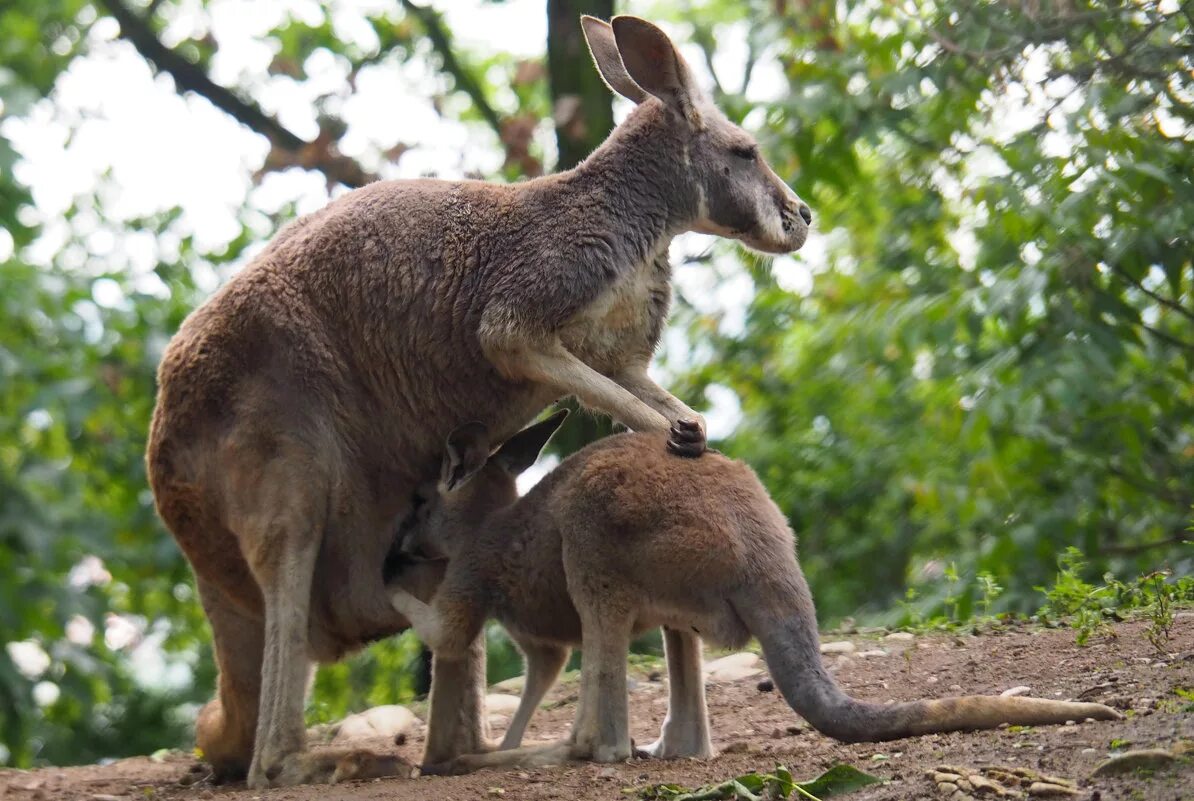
(604, 49)
(521, 450)
(654, 64)
(466, 452)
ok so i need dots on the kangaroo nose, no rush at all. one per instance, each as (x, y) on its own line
(806, 214)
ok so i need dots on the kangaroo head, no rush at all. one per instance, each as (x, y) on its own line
(475, 481)
(737, 194)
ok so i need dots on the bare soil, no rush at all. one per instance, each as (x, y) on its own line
(754, 729)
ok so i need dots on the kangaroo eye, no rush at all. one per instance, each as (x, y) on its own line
(747, 152)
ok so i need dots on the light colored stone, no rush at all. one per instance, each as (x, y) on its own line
(873, 652)
(900, 636)
(1010, 692)
(1046, 790)
(380, 721)
(514, 684)
(737, 666)
(947, 787)
(501, 703)
(838, 647)
(391, 719)
(1152, 758)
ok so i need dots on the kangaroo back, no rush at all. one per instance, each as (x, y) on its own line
(787, 631)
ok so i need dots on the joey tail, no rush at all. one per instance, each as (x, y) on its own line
(784, 624)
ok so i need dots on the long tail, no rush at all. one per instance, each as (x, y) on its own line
(793, 653)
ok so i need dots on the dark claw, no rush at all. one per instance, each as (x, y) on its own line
(686, 439)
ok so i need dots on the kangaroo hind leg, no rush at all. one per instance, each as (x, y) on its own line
(226, 725)
(544, 663)
(685, 730)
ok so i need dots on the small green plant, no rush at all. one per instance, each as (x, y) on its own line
(990, 591)
(1119, 743)
(1089, 608)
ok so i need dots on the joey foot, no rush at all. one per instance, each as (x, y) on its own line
(686, 438)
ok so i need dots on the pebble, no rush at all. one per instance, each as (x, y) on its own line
(765, 686)
(838, 647)
(871, 653)
(1011, 692)
(900, 636)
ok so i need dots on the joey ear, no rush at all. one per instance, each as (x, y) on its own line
(654, 64)
(521, 450)
(466, 452)
(604, 49)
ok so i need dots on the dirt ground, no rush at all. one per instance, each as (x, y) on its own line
(755, 730)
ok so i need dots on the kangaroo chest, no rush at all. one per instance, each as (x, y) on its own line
(623, 325)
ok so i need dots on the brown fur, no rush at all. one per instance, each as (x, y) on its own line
(299, 407)
(623, 537)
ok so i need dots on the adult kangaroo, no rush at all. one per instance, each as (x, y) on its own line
(622, 537)
(301, 405)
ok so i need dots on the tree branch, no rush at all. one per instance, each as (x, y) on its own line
(1164, 301)
(189, 77)
(431, 23)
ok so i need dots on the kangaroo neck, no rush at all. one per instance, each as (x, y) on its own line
(638, 179)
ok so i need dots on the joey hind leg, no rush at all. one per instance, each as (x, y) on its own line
(226, 725)
(456, 721)
(686, 437)
(685, 730)
(543, 665)
(602, 728)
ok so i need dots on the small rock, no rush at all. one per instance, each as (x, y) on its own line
(501, 703)
(733, 667)
(941, 776)
(947, 787)
(778, 734)
(1144, 703)
(1014, 691)
(873, 652)
(514, 684)
(765, 686)
(900, 636)
(737, 747)
(1071, 723)
(794, 730)
(609, 774)
(1090, 750)
(381, 721)
(932, 680)
(838, 647)
(1152, 758)
(1046, 790)
(964, 784)
(955, 688)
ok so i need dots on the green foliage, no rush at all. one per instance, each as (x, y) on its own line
(990, 366)
(1088, 608)
(839, 780)
(993, 361)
